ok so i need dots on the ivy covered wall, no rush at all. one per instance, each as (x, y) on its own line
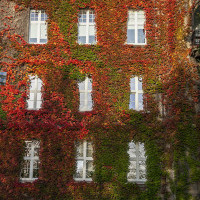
(171, 137)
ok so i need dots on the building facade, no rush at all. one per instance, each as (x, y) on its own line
(99, 99)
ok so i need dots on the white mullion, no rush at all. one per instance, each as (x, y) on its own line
(87, 27)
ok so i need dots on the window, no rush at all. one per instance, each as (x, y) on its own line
(30, 165)
(86, 27)
(196, 27)
(3, 76)
(84, 161)
(137, 167)
(135, 27)
(136, 94)
(38, 27)
(35, 100)
(85, 90)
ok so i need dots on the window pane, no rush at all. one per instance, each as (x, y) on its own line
(89, 84)
(132, 150)
(82, 16)
(139, 83)
(89, 151)
(132, 84)
(132, 170)
(140, 17)
(89, 169)
(142, 170)
(141, 36)
(34, 15)
(25, 172)
(141, 150)
(130, 36)
(140, 106)
(131, 17)
(34, 30)
(91, 16)
(79, 169)
(79, 149)
(39, 96)
(35, 169)
(31, 96)
(92, 40)
(132, 101)
(39, 104)
(30, 104)
(90, 105)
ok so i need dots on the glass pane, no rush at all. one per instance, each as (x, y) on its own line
(43, 16)
(34, 15)
(39, 84)
(132, 150)
(32, 40)
(92, 40)
(141, 150)
(139, 83)
(91, 30)
(132, 170)
(82, 39)
(35, 168)
(89, 84)
(140, 105)
(34, 30)
(31, 96)
(30, 104)
(82, 105)
(38, 104)
(140, 17)
(142, 170)
(132, 101)
(43, 41)
(89, 168)
(89, 150)
(79, 149)
(141, 36)
(82, 16)
(91, 16)
(81, 30)
(81, 85)
(39, 96)
(132, 84)
(25, 172)
(32, 86)
(79, 169)
(131, 17)
(43, 31)
(28, 149)
(90, 105)
(82, 96)
(130, 36)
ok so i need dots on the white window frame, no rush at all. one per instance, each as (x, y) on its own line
(32, 158)
(137, 159)
(83, 158)
(136, 27)
(136, 92)
(86, 91)
(39, 23)
(87, 24)
(35, 91)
